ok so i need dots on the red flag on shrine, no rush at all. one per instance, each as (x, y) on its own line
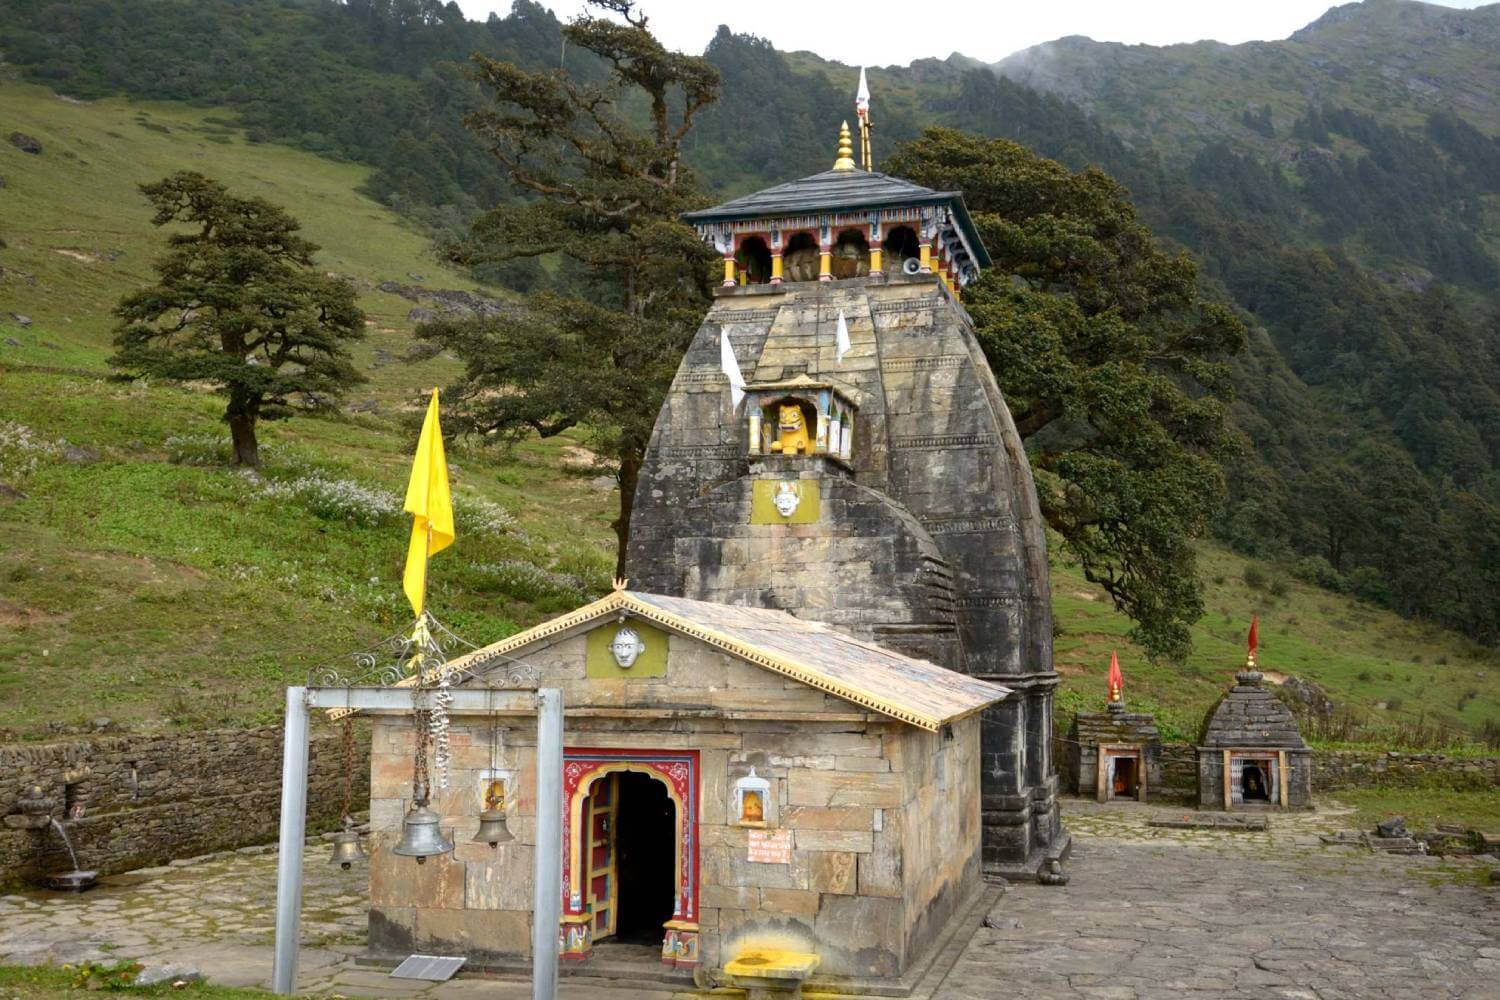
(1116, 679)
(1254, 639)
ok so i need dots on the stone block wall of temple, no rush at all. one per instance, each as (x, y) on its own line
(872, 812)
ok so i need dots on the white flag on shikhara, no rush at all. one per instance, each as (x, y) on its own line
(841, 339)
(862, 96)
(731, 367)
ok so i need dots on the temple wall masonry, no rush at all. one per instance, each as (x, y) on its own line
(150, 798)
(874, 810)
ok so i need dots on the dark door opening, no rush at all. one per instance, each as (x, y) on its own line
(646, 846)
(1253, 784)
(1125, 780)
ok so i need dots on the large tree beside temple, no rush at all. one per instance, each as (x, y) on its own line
(602, 181)
(239, 305)
(1111, 362)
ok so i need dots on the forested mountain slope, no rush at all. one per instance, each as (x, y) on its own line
(1341, 187)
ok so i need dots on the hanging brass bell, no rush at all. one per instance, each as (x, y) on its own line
(492, 828)
(347, 848)
(420, 836)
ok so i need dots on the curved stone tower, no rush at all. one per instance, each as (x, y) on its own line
(874, 481)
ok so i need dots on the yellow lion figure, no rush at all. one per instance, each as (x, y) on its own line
(792, 436)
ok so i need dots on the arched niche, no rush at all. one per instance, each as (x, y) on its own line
(800, 259)
(851, 254)
(826, 416)
(753, 261)
(900, 245)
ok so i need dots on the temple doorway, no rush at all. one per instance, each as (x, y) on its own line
(1125, 780)
(1255, 785)
(646, 840)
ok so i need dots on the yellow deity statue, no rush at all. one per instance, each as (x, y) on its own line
(792, 438)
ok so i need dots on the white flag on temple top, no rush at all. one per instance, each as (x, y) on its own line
(841, 339)
(731, 367)
(862, 96)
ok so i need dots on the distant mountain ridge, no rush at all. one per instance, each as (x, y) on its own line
(1398, 59)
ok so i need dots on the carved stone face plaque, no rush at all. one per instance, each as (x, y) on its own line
(787, 498)
(626, 647)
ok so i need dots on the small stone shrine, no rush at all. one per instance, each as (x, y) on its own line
(1252, 754)
(735, 781)
(1114, 754)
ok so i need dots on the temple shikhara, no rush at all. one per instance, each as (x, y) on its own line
(819, 712)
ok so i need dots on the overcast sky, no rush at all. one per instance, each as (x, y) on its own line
(883, 32)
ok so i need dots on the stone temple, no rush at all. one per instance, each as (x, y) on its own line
(871, 477)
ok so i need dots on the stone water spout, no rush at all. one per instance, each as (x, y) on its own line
(76, 880)
(34, 812)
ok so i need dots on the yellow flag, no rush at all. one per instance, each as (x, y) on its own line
(431, 507)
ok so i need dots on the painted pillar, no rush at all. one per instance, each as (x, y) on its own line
(729, 270)
(925, 257)
(776, 268)
(825, 263)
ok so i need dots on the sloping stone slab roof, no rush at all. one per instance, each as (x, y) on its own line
(913, 691)
(834, 190)
(1251, 716)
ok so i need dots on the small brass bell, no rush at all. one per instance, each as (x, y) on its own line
(492, 829)
(346, 847)
(421, 837)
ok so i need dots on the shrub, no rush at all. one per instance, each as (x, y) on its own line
(1367, 583)
(482, 517)
(1279, 587)
(526, 581)
(1255, 576)
(198, 449)
(1319, 572)
(22, 450)
(336, 499)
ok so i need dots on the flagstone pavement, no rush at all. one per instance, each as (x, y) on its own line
(1147, 913)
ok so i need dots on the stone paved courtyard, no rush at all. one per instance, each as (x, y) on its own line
(1147, 913)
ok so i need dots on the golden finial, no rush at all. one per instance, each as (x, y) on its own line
(621, 583)
(846, 149)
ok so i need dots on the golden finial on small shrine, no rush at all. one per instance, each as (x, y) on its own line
(846, 149)
(621, 583)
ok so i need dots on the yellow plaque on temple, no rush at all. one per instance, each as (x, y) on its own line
(628, 648)
(786, 501)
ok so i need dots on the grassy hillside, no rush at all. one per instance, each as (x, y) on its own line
(78, 231)
(142, 578)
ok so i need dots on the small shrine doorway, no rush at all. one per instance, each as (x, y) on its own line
(645, 862)
(1120, 775)
(630, 859)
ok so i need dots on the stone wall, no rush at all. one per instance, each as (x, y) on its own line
(149, 798)
(1179, 769)
(1336, 769)
(1339, 769)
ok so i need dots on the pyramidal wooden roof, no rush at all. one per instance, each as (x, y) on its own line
(914, 691)
(842, 190)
